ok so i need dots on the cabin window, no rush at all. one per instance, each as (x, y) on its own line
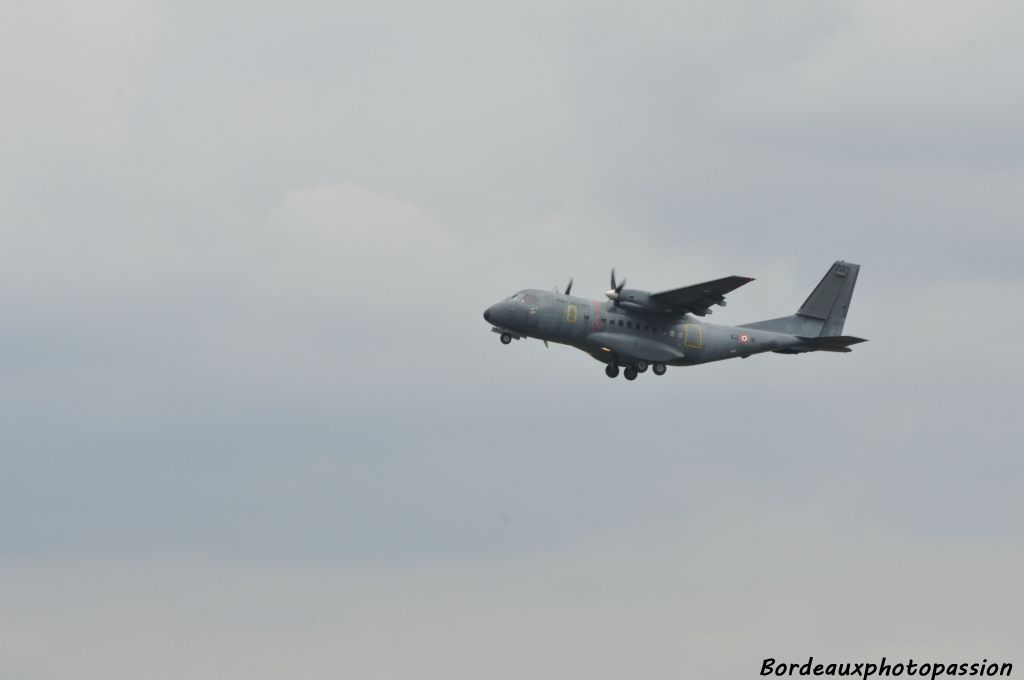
(620, 323)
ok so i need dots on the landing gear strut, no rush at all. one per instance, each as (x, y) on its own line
(505, 338)
(612, 371)
(629, 373)
(659, 369)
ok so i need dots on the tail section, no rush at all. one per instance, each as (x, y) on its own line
(826, 343)
(830, 301)
(823, 313)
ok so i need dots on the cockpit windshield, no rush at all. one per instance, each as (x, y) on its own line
(524, 297)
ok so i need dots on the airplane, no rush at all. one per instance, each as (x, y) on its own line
(635, 329)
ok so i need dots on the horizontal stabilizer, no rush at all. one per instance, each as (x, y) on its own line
(827, 343)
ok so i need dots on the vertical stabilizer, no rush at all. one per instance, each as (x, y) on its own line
(824, 311)
(830, 300)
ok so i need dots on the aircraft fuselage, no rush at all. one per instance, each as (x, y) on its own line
(626, 336)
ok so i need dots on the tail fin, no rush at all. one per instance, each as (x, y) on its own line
(824, 311)
(831, 299)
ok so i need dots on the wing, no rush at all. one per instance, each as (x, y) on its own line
(699, 298)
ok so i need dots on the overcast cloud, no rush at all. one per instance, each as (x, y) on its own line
(254, 426)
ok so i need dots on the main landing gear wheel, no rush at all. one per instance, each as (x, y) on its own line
(641, 366)
(659, 369)
(629, 373)
(612, 371)
(505, 338)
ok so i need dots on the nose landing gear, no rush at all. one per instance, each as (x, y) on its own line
(505, 338)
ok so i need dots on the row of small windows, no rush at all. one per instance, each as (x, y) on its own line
(671, 332)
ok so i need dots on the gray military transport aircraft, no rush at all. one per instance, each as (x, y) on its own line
(635, 329)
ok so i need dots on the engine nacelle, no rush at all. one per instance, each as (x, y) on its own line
(636, 298)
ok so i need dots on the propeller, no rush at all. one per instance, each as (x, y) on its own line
(613, 293)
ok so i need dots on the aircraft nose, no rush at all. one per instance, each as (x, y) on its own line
(487, 314)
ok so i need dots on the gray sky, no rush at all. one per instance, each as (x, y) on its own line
(253, 425)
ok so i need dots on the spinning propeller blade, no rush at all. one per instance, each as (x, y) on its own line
(613, 294)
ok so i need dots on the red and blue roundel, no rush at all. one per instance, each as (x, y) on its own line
(744, 337)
